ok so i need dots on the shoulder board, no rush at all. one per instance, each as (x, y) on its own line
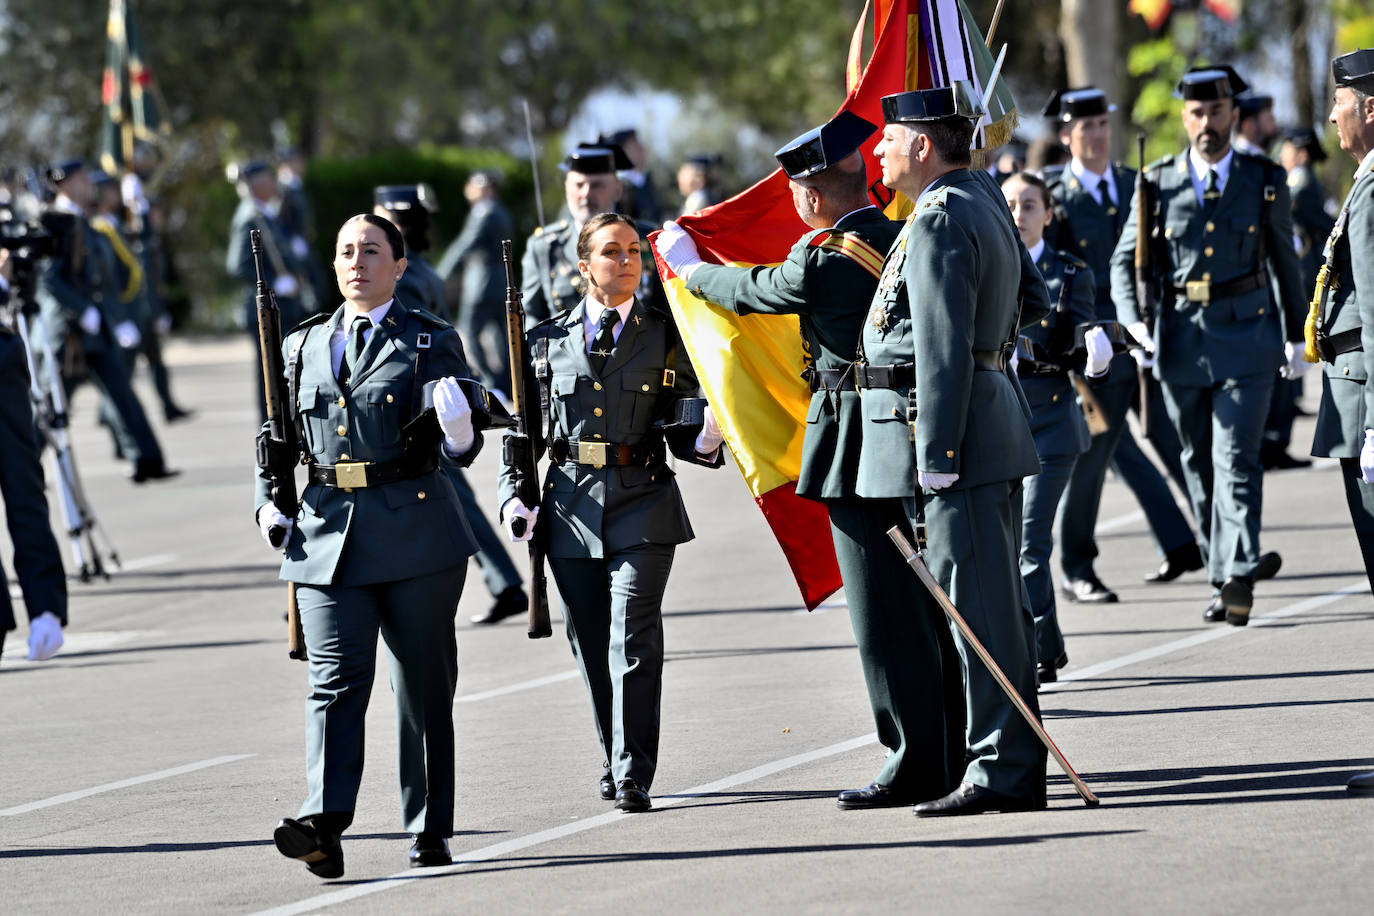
(317, 318)
(1070, 259)
(538, 230)
(936, 199)
(1053, 173)
(1160, 164)
(429, 318)
(849, 245)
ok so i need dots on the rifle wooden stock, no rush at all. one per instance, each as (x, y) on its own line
(278, 447)
(518, 448)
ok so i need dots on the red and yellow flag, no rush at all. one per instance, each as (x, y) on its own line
(750, 366)
(130, 105)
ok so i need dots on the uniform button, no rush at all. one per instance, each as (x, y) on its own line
(1169, 232)
(949, 454)
(596, 386)
(555, 391)
(550, 485)
(1054, 399)
(1260, 312)
(1345, 370)
(643, 387)
(389, 399)
(344, 456)
(1044, 322)
(596, 435)
(420, 495)
(1082, 243)
(1251, 229)
(342, 402)
(1207, 278)
(342, 430)
(596, 411)
(1207, 251)
(1211, 226)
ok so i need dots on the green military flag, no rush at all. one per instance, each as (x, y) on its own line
(131, 105)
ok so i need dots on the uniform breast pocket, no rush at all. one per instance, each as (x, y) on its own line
(640, 393)
(1244, 232)
(377, 427)
(314, 416)
(563, 403)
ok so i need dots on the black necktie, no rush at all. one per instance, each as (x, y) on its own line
(604, 341)
(1104, 196)
(1211, 193)
(354, 349)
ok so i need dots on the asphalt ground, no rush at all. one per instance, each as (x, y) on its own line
(143, 768)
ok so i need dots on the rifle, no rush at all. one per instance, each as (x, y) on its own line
(1147, 301)
(278, 446)
(517, 447)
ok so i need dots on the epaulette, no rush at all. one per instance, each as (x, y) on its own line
(1160, 163)
(429, 318)
(1070, 259)
(1053, 174)
(848, 245)
(936, 198)
(317, 318)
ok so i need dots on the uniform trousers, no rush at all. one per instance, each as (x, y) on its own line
(1117, 447)
(1221, 427)
(973, 554)
(475, 317)
(614, 611)
(120, 407)
(1042, 496)
(415, 618)
(1359, 496)
(914, 680)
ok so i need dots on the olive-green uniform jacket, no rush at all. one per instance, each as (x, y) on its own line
(1347, 409)
(590, 512)
(1057, 422)
(828, 279)
(549, 281)
(1202, 343)
(1085, 228)
(398, 530)
(1311, 223)
(953, 284)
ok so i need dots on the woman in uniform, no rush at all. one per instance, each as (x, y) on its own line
(375, 483)
(612, 373)
(1057, 423)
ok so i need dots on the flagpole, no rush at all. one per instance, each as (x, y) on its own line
(996, 17)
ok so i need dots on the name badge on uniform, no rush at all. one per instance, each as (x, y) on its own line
(422, 341)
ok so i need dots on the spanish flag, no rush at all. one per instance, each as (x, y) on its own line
(750, 366)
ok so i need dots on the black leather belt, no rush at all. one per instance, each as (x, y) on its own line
(989, 360)
(597, 454)
(1334, 345)
(902, 375)
(350, 475)
(1036, 368)
(1206, 290)
(832, 379)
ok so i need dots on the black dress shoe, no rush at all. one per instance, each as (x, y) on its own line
(1177, 562)
(1216, 611)
(1276, 459)
(1268, 565)
(630, 798)
(873, 795)
(510, 602)
(318, 849)
(1237, 596)
(1362, 784)
(1088, 590)
(971, 799)
(1049, 671)
(607, 785)
(145, 470)
(429, 850)
(174, 413)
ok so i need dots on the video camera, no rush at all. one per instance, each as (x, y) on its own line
(27, 243)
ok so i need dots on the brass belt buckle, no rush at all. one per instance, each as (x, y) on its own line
(593, 453)
(350, 474)
(1199, 290)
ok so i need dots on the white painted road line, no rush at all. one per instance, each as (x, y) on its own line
(497, 850)
(487, 853)
(516, 688)
(1121, 521)
(157, 559)
(121, 784)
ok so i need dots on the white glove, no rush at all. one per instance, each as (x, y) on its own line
(272, 522)
(677, 249)
(90, 320)
(1141, 332)
(514, 510)
(300, 248)
(128, 335)
(710, 437)
(163, 323)
(45, 636)
(931, 480)
(1367, 457)
(1296, 364)
(1015, 359)
(286, 285)
(455, 416)
(1099, 352)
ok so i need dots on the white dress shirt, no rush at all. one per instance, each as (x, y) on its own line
(338, 341)
(1198, 167)
(1093, 181)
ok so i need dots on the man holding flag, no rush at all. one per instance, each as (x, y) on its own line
(945, 427)
(828, 279)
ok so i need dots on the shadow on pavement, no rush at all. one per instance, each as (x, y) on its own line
(1099, 684)
(191, 847)
(1238, 783)
(688, 655)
